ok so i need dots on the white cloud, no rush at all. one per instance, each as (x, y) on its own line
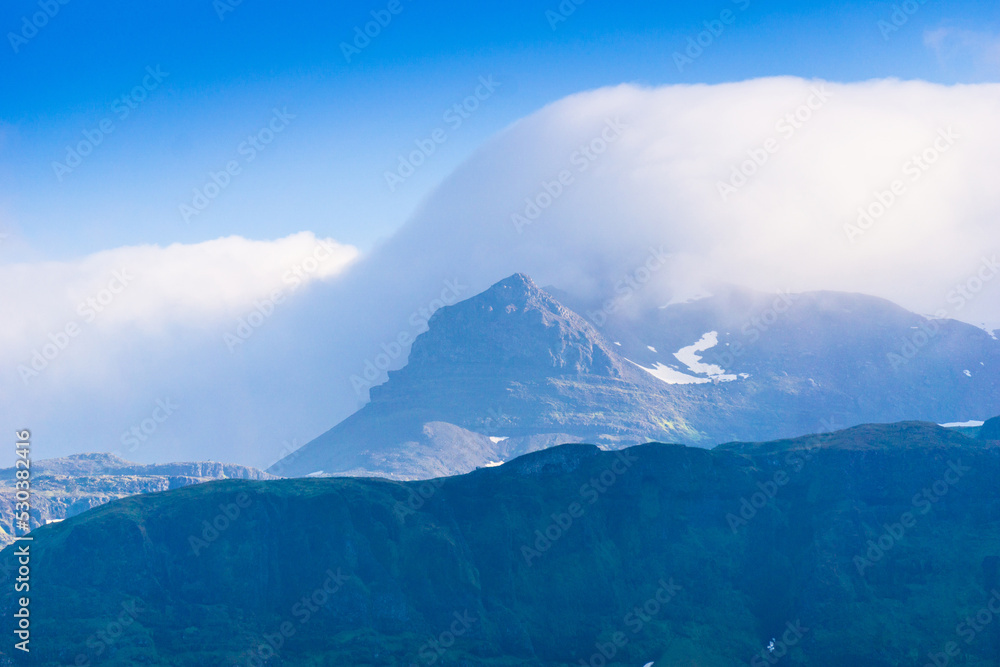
(87, 346)
(977, 51)
(653, 188)
(159, 287)
(784, 229)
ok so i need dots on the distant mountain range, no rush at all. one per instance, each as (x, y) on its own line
(518, 368)
(877, 545)
(61, 488)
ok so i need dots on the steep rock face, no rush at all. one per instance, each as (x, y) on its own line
(68, 486)
(514, 329)
(103, 464)
(510, 363)
(515, 362)
(847, 358)
(541, 561)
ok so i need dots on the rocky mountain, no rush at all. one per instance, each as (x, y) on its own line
(515, 369)
(509, 370)
(877, 545)
(859, 358)
(65, 487)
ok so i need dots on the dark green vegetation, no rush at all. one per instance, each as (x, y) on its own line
(869, 546)
(990, 430)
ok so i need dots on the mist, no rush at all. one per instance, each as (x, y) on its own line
(883, 187)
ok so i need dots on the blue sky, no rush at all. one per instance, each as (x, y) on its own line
(325, 170)
(202, 131)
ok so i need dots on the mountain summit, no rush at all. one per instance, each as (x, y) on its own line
(506, 372)
(514, 329)
(514, 369)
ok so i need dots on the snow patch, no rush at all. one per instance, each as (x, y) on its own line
(652, 349)
(497, 439)
(493, 464)
(689, 357)
(968, 373)
(669, 375)
(970, 423)
(318, 473)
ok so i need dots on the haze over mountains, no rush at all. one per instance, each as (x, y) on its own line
(513, 369)
(65, 487)
(656, 185)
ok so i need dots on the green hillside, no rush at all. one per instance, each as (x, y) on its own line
(845, 553)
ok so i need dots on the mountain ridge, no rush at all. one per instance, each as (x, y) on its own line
(514, 363)
(548, 554)
(67, 486)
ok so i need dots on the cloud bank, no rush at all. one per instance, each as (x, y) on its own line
(92, 347)
(882, 187)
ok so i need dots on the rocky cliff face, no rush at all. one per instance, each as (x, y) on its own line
(868, 546)
(68, 486)
(515, 363)
(509, 364)
(514, 329)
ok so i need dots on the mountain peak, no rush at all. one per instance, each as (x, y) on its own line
(516, 280)
(511, 328)
(520, 291)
